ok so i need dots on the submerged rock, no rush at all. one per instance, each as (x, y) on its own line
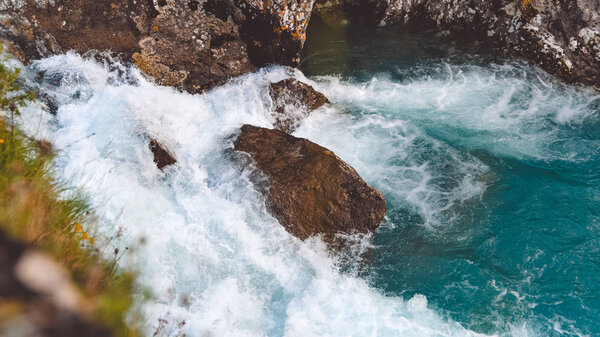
(194, 45)
(561, 36)
(311, 190)
(293, 101)
(48, 101)
(162, 157)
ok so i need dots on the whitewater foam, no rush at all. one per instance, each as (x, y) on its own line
(505, 108)
(211, 254)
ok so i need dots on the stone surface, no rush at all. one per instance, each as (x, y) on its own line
(162, 157)
(562, 36)
(310, 190)
(199, 44)
(195, 45)
(292, 102)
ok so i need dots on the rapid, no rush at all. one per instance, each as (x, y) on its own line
(489, 168)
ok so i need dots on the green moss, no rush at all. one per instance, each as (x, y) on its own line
(33, 211)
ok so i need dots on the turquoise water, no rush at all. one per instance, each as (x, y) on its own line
(491, 170)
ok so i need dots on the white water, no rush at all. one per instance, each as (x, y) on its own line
(212, 256)
(520, 113)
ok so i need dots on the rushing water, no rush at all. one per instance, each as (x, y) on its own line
(490, 170)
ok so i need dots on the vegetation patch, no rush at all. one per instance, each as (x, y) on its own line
(33, 210)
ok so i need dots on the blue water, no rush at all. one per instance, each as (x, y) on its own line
(491, 170)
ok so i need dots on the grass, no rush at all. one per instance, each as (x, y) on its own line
(33, 211)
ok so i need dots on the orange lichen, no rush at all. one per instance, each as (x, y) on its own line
(155, 29)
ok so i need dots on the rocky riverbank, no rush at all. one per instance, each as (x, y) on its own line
(197, 45)
(194, 45)
(561, 36)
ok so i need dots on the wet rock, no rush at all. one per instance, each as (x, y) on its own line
(162, 157)
(194, 45)
(36, 296)
(311, 191)
(48, 101)
(293, 101)
(561, 36)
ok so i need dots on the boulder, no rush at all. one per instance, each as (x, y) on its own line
(194, 45)
(311, 191)
(561, 36)
(292, 102)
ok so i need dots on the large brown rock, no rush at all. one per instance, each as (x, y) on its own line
(292, 102)
(311, 191)
(194, 45)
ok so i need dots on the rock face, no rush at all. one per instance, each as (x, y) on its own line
(36, 297)
(293, 101)
(199, 44)
(195, 45)
(311, 190)
(562, 36)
